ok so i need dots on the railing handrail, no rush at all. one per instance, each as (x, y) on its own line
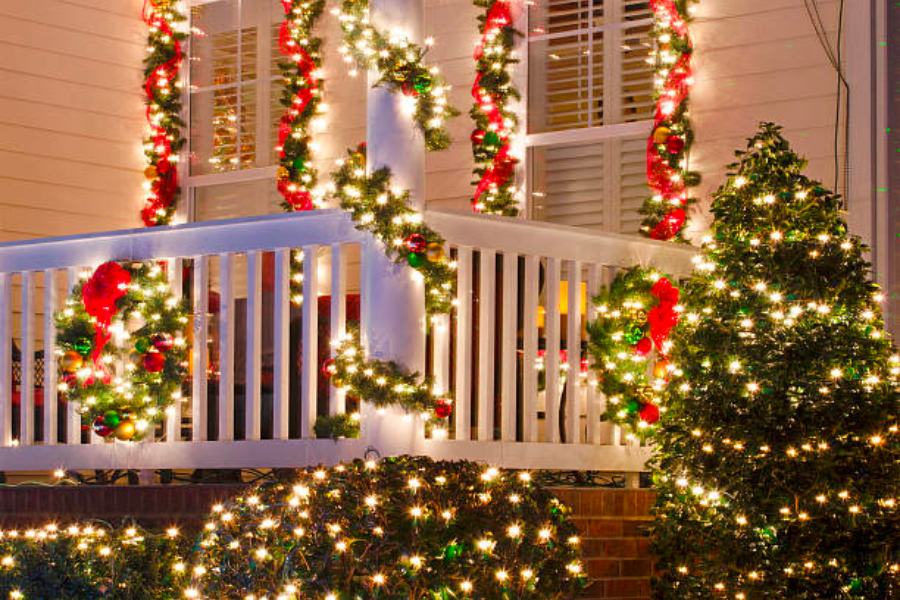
(560, 241)
(320, 227)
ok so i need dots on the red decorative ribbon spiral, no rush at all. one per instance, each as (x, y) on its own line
(492, 104)
(665, 181)
(99, 295)
(162, 171)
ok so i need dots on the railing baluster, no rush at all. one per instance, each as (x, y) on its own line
(486, 333)
(612, 434)
(50, 380)
(592, 395)
(172, 427)
(26, 385)
(551, 356)
(573, 352)
(73, 418)
(464, 344)
(529, 349)
(310, 372)
(199, 349)
(337, 396)
(5, 359)
(253, 392)
(281, 342)
(508, 349)
(226, 346)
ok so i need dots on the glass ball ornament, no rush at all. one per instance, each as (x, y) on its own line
(142, 345)
(423, 83)
(415, 260)
(71, 361)
(154, 362)
(163, 342)
(434, 252)
(634, 334)
(111, 419)
(415, 242)
(150, 172)
(443, 407)
(661, 134)
(101, 428)
(491, 138)
(125, 430)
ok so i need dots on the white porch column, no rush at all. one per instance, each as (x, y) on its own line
(393, 319)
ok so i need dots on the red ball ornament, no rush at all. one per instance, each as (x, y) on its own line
(154, 362)
(443, 408)
(328, 368)
(649, 413)
(415, 243)
(100, 428)
(675, 144)
(643, 347)
(163, 342)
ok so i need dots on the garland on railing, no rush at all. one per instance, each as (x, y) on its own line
(162, 88)
(382, 384)
(669, 142)
(495, 121)
(122, 348)
(636, 313)
(385, 212)
(400, 63)
(301, 99)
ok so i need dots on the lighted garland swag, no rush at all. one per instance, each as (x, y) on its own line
(630, 346)
(163, 96)
(400, 63)
(122, 389)
(495, 121)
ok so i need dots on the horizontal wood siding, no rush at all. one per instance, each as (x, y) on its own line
(71, 116)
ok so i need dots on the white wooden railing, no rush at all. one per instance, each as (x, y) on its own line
(254, 397)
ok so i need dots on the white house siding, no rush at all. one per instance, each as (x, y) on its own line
(760, 60)
(71, 116)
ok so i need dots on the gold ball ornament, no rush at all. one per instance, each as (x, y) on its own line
(659, 369)
(71, 361)
(150, 172)
(125, 430)
(661, 134)
(283, 173)
(434, 252)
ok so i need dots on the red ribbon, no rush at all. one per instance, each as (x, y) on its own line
(99, 295)
(675, 91)
(663, 317)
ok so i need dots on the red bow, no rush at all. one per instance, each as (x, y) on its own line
(99, 295)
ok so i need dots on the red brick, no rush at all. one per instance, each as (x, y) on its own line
(621, 548)
(627, 588)
(635, 528)
(604, 568)
(636, 568)
(605, 528)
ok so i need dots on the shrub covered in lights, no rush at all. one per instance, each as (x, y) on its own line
(91, 560)
(398, 528)
(778, 457)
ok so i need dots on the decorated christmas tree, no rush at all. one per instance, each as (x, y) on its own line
(777, 464)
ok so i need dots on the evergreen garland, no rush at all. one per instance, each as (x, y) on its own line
(400, 63)
(385, 212)
(163, 96)
(495, 122)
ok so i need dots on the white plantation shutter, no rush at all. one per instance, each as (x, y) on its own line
(590, 102)
(235, 92)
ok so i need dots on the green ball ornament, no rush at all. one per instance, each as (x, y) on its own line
(634, 334)
(452, 552)
(82, 346)
(111, 419)
(142, 345)
(633, 407)
(299, 165)
(416, 260)
(423, 83)
(491, 138)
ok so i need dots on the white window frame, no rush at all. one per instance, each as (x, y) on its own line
(190, 183)
(612, 133)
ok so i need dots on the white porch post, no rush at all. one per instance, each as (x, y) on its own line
(393, 319)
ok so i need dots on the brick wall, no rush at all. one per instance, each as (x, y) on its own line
(612, 522)
(616, 547)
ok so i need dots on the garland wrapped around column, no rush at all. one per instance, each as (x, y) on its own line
(163, 91)
(668, 145)
(495, 121)
(400, 63)
(385, 212)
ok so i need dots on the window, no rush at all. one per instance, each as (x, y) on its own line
(590, 105)
(235, 89)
